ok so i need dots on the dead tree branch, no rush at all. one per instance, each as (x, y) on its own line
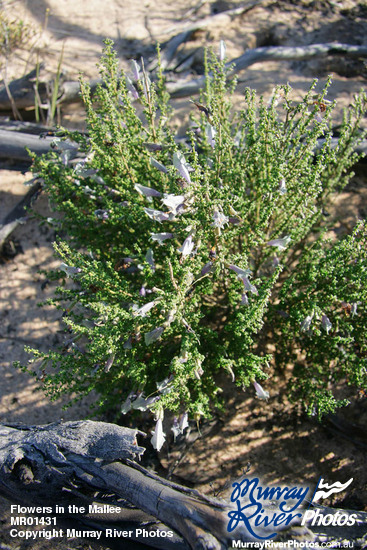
(14, 145)
(82, 462)
(272, 53)
(19, 212)
(22, 89)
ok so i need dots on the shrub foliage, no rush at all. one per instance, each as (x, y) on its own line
(187, 258)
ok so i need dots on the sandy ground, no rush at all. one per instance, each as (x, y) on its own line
(274, 439)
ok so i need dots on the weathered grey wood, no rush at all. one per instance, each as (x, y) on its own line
(23, 126)
(296, 53)
(37, 463)
(272, 53)
(18, 214)
(22, 92)
(70, 90)
(13, 145)
(169, 50)
(22, 89)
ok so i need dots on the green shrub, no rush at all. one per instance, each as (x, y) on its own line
(188, 258)
(13, 34)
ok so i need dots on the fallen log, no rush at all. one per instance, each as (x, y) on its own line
(272, 53)
(185, 30)
(16, 137)
(298, 53)
(83, 463)
(22, 89)
(169, 50)
(19, 213)
(22, 92)
(24, 127)
(14, 145)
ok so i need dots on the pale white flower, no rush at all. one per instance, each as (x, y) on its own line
(281, 244)
(70, 270)
(131, 88)
(179, 162)
(326, 323)
(282, 187)
(63, 145)
(142, 403)
(147, 191)
(222, 50)
(159, 437)
(219, 219)
(146, 86)
(161, 237)
(175, 428)
(260, 392)
(158, 165)
(82, 172)
(101, 214)
(248, 286)
(98, 179)
(179, 426)
(126, 406)
(65, 157)
(157, 215)
(153, 335)
(240, 272)
(306, 323)
(206, 269)
(135, 69)
(109, 362)
(210, 133)
(173, 202)
(184, 422)
(244, 299)
(187, 247)
(163, 386)
(143, 310)
(88, 191)
(199, 370)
